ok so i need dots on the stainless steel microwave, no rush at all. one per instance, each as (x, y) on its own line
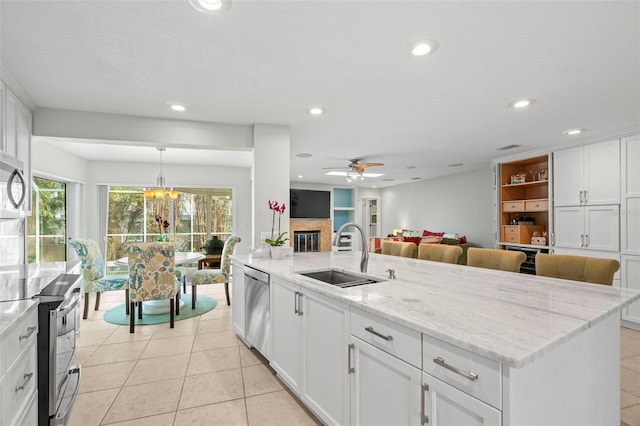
(13, 188)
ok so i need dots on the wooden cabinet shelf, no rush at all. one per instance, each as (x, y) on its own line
(523, 202)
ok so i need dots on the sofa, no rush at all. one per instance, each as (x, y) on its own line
(375, 245)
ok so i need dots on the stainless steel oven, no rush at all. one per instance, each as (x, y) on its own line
(59, 328)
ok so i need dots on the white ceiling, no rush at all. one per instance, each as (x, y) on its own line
(268, 61)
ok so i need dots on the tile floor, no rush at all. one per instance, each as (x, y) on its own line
(200, 373)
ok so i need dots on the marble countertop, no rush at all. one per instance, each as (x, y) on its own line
(508, 317)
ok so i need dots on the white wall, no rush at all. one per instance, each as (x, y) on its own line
(458, 203)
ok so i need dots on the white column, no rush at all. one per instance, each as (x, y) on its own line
(270, 176)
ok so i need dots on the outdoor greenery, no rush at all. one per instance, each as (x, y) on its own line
(132, 218)
(46, 227)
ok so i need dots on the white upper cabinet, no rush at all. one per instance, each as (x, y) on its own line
(587, 175)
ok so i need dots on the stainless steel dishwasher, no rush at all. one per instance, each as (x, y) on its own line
(257, 313)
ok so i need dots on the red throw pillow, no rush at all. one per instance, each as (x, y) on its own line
(415, 240)
(463, 239)
(426, 233)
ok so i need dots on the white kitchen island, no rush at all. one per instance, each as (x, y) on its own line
(441, 344)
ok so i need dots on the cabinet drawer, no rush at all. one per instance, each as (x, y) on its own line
(513, 206)
(397, 340)
(520, 233)
(536, 205)
(20, 384)
(457, 366)
(20, 337)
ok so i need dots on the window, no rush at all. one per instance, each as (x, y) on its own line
(196, 216)
(46, 227)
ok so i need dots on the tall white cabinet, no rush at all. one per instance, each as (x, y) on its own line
(630, 225)
(586, 194)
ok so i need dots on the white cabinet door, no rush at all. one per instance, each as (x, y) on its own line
(587, 175)
(602, 228)
(630, 219)
(286, 359)
(630, 278)
(325, 344)
(602, 173)
(568, 170)
(23, 141)
(384, 389)
(588, 228)
(447, 406)
(569, 227)
(10, 123)
(237, 298)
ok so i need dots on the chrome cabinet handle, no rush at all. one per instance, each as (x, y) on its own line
(582, 240)
(30, 331)
(424, 419)
(585, 197)
(581, 197)
(586, 240)
(466, 374)
(296, 310)
(300, 303)
(350, 369)
(27, 377)
(382, 336)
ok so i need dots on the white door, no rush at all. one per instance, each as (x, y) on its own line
(448, 406)
(602, 228)
(569, 227)
(630, 278)
(602, 173)
(325, 340)
(384, 390)
(285, 332)
(568, 172)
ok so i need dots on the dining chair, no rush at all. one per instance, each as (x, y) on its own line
(94, 277)
(152, 276)
(399, 248)
(577, 268)
(503, 260)
(439, 252)
(213, 276)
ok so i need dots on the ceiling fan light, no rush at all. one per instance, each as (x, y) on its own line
(210, 7)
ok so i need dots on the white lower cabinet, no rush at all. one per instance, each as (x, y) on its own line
(630, 278)
(384, 389)
(237, 299)
(448, 406)
(310, 340)
(588, 228)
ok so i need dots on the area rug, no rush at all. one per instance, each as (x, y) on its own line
(117, 314)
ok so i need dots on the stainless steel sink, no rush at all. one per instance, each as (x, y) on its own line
(339, 278)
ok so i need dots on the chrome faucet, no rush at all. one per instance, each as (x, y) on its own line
(365, 252)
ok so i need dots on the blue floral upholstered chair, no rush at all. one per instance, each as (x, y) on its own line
(152, 276)
(94, 277)
(213, 276)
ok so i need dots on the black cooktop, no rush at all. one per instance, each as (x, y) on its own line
(25, 282)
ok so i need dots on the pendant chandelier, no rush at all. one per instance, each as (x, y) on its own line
(160, 192)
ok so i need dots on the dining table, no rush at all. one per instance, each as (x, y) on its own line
(157, 307)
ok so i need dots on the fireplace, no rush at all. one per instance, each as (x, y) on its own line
(315, 234)
(306, 241)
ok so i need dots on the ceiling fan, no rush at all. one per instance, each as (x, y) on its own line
(355, 166)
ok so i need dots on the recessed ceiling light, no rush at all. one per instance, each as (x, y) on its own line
(211, 6)
(521, 103)
(304, 155)
(176, 106)
(300, 176)
(316, 110)
(572, 132)
(423, 47)
(455, 165)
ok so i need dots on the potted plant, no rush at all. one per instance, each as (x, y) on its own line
(277, 240)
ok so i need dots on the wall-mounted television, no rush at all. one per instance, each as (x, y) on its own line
(310, 204)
